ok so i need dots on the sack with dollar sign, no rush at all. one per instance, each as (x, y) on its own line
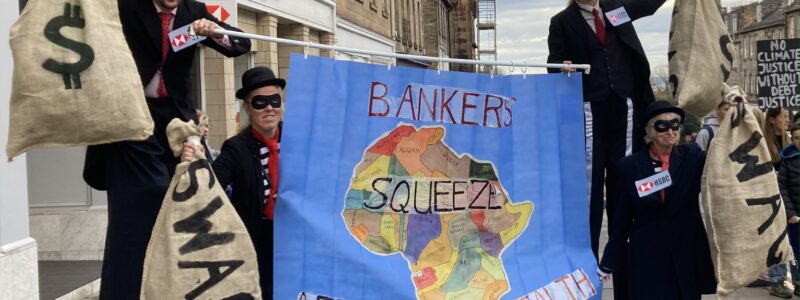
(75, 81)
(700, 56)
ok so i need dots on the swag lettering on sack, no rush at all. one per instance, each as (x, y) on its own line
(441, 105)
(752, 169)
(199, 225)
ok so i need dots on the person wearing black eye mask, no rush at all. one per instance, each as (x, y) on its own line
(260, 102)
(656, 228)
(248, 163)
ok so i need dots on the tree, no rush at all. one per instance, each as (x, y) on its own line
(659, 82)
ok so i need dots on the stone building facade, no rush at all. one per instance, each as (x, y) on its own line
(793, 19)
(463, 38)
(365, 24)
(753, 22)
(407, 28)
(436, 28)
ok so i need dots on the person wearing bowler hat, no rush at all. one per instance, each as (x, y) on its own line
(657, 229)
(248, 162)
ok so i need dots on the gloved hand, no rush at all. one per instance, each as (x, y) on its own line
(604, 275)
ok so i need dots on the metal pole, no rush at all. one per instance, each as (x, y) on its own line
(398, 55)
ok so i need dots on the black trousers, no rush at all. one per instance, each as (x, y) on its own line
(609, 137)
(263, 243)
(137, 177)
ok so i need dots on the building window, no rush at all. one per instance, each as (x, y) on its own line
(745, 45)
(796, 24)
(758, 13)
(241, 64)
(747, 83)
(731, 21)
(419, 29)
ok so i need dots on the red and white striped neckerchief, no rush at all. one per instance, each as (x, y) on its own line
(268, 158)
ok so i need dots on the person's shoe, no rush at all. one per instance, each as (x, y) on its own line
(780, 290)
(759, 283)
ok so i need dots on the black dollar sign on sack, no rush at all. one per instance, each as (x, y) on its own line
(71, 72)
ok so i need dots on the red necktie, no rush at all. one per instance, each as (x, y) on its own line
(166, 18)
(599, 26)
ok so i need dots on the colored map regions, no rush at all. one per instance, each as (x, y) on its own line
(447, 214)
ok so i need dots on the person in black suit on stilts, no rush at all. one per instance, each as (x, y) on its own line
(136, 175)
(601, 33)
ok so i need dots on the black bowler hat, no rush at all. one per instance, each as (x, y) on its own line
(258, 77)
(660, 107)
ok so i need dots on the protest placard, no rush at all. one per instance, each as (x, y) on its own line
(778, 73)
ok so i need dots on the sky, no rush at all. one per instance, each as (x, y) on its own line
(522, 27)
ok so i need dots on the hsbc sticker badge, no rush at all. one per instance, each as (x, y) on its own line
(618, 16)
(653, 184)
(181, 38)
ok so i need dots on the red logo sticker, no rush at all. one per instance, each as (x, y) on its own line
(218, 12)
(180, 40)
(646, 187)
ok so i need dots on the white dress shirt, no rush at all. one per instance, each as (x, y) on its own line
(588, 14)
(151, 90)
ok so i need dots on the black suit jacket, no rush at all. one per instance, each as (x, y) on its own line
(238, 165)
(142, 28)
(569, 39)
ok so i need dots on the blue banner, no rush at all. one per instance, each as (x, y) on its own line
(407, 183)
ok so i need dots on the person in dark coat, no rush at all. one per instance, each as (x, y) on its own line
(248, 162)
(136, 175)
(789, 184)
(617, 88)
(656, 227)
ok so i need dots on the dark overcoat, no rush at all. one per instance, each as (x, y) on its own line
(668, 253)
(238, 165)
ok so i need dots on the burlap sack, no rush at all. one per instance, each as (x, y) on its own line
(700, 55)
(745, 217)
(199, 248)
(75, 81)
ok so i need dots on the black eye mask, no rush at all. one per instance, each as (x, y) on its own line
(662, 126)
(261, 102)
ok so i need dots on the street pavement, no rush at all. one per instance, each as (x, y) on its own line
(742, 294)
